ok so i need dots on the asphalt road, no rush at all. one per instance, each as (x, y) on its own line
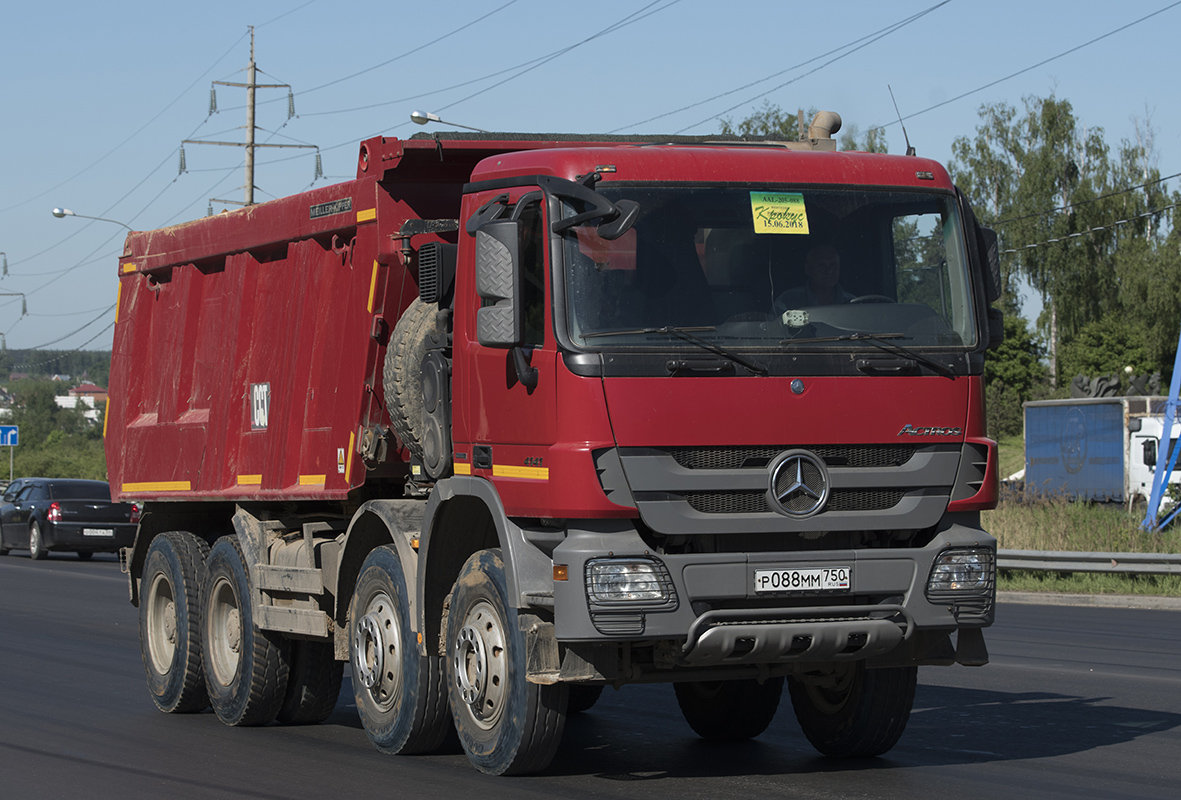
(1077, 703)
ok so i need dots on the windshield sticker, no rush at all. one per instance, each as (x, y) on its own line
(779, 212)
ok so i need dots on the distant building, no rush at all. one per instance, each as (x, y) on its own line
(71, 401)
(96, 393)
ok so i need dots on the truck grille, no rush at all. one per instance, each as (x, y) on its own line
(756, 502)
(876, 455)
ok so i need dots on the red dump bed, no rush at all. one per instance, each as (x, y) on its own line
(248, 346)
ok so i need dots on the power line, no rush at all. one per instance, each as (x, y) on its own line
(1096, 229)
(888, 29)
(885, 32)
(1032, 67)
(140, 130)
(1069, 206)
(420, 48)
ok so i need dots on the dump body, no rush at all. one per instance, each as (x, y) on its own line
(544, 413)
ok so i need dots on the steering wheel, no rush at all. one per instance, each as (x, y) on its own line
(872, 298)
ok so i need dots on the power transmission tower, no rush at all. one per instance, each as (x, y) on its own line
(250, 86)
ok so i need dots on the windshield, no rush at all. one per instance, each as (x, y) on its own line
(770, 270)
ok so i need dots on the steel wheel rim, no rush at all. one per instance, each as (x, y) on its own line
(225, 632)
(480, 666)
(161, 623)
(377, 651)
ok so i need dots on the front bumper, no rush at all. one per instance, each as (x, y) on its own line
(717, 617)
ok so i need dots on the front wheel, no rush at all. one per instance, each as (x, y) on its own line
(853, 711)
(507, 725)
(729, 711)
(37, 549)
(399, 694)
(245, 668)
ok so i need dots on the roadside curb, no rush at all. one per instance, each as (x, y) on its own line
(1095, 600)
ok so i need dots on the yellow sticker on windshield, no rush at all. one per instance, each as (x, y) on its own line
(778, 212)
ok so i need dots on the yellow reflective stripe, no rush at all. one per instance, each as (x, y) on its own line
(348, 454)
(529, 473)
(118, 297)
(462, 468)
(372, 287)
(249, 480)
(366, 215)
(310, 480)
(129, 267)
(158, 486)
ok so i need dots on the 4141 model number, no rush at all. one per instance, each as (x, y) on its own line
(822, 579)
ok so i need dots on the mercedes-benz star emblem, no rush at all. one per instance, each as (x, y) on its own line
(799, 484)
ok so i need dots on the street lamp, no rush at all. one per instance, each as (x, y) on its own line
(423, 117)
(65, 212)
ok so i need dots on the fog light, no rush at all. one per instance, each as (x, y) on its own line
(613, 580)
(962, 571)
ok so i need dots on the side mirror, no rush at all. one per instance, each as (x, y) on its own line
(990, 258)
(996, 328)
(498, 256)
(629, 212)
(1150, 452)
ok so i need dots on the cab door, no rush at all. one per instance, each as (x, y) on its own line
(509, 396)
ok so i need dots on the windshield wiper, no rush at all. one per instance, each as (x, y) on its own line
(687, 334)
(879, 340)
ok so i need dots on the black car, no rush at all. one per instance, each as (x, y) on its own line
(43, 514)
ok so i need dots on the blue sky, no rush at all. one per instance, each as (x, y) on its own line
(98, 97)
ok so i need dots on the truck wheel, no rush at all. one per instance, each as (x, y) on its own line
(245, 668)
(400, 694)
(402, 375)
(170, 622)
(37, 549)
(507, 725)
(313, 683)
(862, 713)
(582, 698)
(729, 711)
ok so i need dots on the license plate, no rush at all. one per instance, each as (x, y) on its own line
(823, 579)
(97, 532)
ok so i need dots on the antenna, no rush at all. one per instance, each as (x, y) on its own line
(909, 149)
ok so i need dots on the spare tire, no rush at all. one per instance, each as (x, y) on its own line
(402, 375)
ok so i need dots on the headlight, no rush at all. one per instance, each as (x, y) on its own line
(968, 570)
(614, 580)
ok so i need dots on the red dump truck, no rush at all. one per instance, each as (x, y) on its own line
(512, 418)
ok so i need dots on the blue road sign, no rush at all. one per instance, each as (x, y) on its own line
(9, 435)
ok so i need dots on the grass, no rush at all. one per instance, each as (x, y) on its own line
(1055, 523)
(1060, 524)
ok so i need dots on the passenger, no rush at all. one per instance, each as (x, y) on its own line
(822, 269)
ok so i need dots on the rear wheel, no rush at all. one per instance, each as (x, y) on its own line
(400, 695)
(245, 668)
(729, 711)
(37, 549)
(853, 711)
(507, 725)
(313, 683)
(170, 622)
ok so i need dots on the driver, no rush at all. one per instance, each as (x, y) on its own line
(822, 270)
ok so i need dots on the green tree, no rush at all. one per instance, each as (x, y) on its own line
(1013, 374)
(1058, 196)
(54, 442)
